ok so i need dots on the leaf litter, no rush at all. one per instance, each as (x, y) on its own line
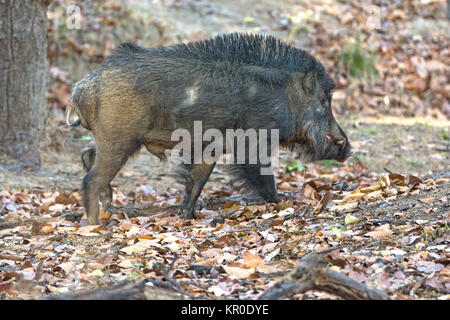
(392, 229)
(382, 246)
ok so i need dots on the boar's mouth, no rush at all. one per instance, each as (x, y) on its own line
(313, 146)
(344, 156)
(321, 150)
(341, 156)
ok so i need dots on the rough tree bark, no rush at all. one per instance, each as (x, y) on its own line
(448, 9)
(23, 70)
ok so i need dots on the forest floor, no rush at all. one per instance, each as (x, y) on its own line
(386, 209)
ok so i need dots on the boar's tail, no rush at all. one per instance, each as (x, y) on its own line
(70, 109)
(79, 100)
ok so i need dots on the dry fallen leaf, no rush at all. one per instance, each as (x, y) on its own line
(380, 232)
(286, 186)
(427, 200)
(445, 272)
(238, 270)
(321, 205)
(252, 261)
(47, 229)
(344, 207)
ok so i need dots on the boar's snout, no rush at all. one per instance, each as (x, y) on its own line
(340, 145)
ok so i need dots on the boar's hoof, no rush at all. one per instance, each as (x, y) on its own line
(272, 198)
(188, 214)
(93, 220)
(275, 199)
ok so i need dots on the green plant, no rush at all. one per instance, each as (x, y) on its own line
(373, 130)
(436, 233)
(330, 163)
(357, 156)
(294, 166)
(414, 164)
(358, 60)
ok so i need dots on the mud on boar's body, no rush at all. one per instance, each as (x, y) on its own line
(139, 96)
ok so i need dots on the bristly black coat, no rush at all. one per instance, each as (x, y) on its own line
(252, 50)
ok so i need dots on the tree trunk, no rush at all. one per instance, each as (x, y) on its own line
(448, 9)
(23, 70)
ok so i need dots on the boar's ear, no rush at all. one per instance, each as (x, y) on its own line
(309, 82)
(269, 75)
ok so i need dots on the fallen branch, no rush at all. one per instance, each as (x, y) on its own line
(205, 270)
(313, 274)
(125, 290)
(222, 217)
(35, 221)
(166, 273)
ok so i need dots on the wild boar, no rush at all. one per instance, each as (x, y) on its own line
(139, 97)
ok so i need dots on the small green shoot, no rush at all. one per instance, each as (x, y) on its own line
(415, 164)
(444, 134)
(330, 163)
(358, 60)
(294, 166)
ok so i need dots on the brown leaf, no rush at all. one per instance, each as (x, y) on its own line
(380, 232)
(238, 270)
(344, 207)
(127, 173)
(354, 196)
(46, 229)
(427, 200)
(397, 179)
(104, 215)
(445, 272)
(5, 286)
(286, 186)
(327, 197)
(370, 189)
(412, 180)
(252, 261)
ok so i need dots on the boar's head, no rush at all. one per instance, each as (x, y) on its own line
(317, 135)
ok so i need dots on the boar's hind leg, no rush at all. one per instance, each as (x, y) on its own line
(108, 162)
(250, 175)
(88, 159)
(196, 177)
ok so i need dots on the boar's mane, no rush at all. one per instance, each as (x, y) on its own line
(260, 55)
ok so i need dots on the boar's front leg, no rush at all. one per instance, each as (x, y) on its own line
(88, 159)
(250, 175)
(196, 177)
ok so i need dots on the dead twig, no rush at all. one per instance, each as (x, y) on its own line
(167, 276)
(312, 273)
(35, 221)
(419, 283)
(222, 217)
(205, 270)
